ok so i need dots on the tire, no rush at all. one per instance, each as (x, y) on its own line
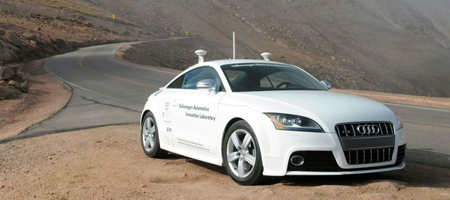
(150, 137)
(242, 161)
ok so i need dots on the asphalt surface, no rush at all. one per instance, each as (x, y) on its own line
(107, 92)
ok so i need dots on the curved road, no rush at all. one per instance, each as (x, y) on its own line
(107, 92)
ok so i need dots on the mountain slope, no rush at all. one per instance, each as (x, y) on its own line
(397, 46)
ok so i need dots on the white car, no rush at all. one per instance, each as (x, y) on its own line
(259, 118)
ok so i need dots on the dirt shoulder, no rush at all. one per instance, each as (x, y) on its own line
(108, 162)
(45, 97)
(141, 53)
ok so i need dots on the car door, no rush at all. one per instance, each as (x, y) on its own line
(193, 114)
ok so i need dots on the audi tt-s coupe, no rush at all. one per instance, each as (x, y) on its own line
(259, 118)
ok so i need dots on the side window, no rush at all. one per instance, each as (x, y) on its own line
(194, 76)
(265, 83)
(177, 83)
(237, 78)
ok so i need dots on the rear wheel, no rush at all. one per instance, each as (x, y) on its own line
(241, 154)
(150, 137)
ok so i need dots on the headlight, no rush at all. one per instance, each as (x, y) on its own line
(399, 121)
(293, 123)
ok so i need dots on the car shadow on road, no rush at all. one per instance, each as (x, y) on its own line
(428, 156)
(215, 168)
(211, 167)
(413, 175)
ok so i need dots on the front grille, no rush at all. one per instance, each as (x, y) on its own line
(351, 129)
(369, 156)
(324, 161)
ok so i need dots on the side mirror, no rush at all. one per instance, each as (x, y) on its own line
(208, 84)
(326, 84)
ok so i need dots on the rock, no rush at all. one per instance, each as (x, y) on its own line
(88, 24)
(33, 44)
(38, 28)
(6, 44)
(2, 32)
(17, 76)
(386, 185)
(13, 39)
(30, 36)
(8, 92)
(8, 73)
(3, 83)
(333, 58)
(14, 84)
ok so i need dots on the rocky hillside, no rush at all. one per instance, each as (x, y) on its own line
(397, 46)
(31, 29)
(38, 28)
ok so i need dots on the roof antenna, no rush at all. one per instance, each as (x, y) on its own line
(201, 54)
(234, 46)
(266, 56)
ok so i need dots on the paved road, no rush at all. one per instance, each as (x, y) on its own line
(105, 91)
(108, 92)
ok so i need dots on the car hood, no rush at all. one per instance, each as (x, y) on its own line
(325, 107)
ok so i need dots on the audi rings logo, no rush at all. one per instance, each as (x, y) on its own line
(368, 129)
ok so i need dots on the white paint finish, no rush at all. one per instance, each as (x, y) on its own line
(202, 139)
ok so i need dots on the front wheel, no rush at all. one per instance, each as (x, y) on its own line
(241, 154)
(150, 137)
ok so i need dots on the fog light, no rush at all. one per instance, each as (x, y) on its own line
(297, 160)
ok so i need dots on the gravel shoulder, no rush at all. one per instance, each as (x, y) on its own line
(46, 97)
(108, 163)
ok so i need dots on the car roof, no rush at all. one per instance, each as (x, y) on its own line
(218, 63)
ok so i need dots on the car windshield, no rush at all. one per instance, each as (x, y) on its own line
(267, 76)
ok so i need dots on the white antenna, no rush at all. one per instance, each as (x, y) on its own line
(234, 46)
(201, 54)
(266, 55)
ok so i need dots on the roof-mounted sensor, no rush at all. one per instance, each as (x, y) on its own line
(201, 54)
(266, 55)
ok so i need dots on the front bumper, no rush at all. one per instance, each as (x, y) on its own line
(332, 160)
(359, 171)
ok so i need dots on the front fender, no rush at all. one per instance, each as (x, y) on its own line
(260, 123)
